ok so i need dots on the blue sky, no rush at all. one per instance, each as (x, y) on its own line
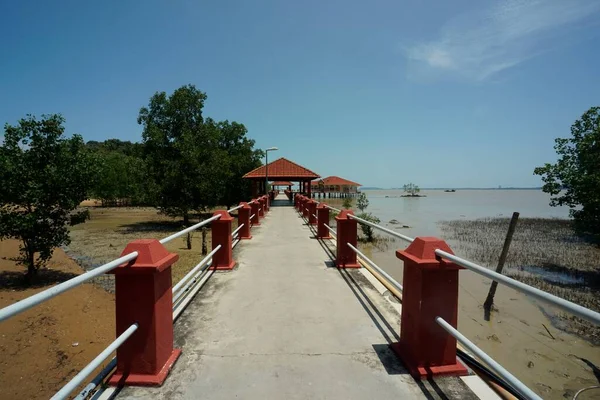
(439, 93)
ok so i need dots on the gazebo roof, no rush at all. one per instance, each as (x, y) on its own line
(283, 169)
(282, 183)
(336, 181)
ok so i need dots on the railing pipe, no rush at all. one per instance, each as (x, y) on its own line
(196, 268)
(337, 210)
(184, 291)
(381, 228)
(47, 294)
(235, 242)
(85, 392)
(191, 228)
(88, 369)
(376, 267)
(331, 230)
(237, 230)
(235, 208)
(566, 305)
(490, 362)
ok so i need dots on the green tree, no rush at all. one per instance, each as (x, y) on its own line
(366, 229)
(182, 152)
(240, 157)
(574, 179)
(347, 204)
(362, 202)
(411, 189)
(45, 177)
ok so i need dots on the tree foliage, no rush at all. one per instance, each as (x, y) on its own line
(182, 152)
(362, 202)
(44, 177)
(411, 189)
(574, 179)
(366, 229)
(347, 203)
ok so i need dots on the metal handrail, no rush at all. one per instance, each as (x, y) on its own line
(376, 267)
(252, 216)
(95, 363)
(314, 216)
(566, 305)
(97, 380)
(332, 208)
(235, 243)
(191, 228)
(47, 294)
(237, 230)
(331, 230)
(235, 208)
(193, 270)
(490, 362)
(381, 228)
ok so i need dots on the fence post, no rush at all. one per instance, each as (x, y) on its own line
(221, 235)
(323, 218)
(244, 218)
(346, 233)
(143, 295)
(267, 203)
(305, 207)
(255, 206)
(430, 291)
(261, 207)
(312, 212)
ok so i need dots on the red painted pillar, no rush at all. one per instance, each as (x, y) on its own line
(244, 218)
(430, 291)
(261, 207)
(323, 218)
(312, 212)
(221, 235)
(143, 295)
(346, 233)
(267, 203)
(296, 198)
(305, 207)
(299, 203)
(255, 207)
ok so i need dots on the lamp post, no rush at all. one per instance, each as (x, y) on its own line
(267, 166)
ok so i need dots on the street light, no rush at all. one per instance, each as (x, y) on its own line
(267, 166)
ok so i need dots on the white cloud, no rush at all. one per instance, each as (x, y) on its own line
(483, 42)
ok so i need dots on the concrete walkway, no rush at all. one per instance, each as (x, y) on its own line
(285, 324)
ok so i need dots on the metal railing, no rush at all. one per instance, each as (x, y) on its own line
(376, 267)
(234, 233)
(330, 229)
(510, 379)
(566, 305)
(88, 369)
(203, 263)
(47, 294)
(383, 229)
(234, 208)
(191, 228)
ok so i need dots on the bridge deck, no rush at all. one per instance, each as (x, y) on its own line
(287, 325)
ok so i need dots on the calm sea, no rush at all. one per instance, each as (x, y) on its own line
(423, 213)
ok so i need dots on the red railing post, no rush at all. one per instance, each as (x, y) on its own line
(261, 207)
(430, 291)
(143, 295)
(312, 212)
(221, 235)
(244, 218)
(267, 203)
(323, 218)
(305, 207)
(346, 233)
(255, 206)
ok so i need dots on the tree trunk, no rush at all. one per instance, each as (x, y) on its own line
(31, 270)
(186, 223)
(204, 247)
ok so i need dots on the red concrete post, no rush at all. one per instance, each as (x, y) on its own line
(244, 218)
(261, 207)
(143, 295)
(322, 219)
(305, 207)
(221, 235)
(299, 203)
(346, 233)
(267, 203)
(430, 291)
(255, 206)
(312, 212)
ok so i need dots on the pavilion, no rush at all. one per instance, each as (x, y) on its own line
(281, 170)
(278, 184)
(334, 186)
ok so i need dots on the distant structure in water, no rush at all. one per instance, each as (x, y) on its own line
(334, 186)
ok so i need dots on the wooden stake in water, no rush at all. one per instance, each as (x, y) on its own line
(489, 301)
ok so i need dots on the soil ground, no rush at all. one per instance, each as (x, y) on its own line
(47, 345)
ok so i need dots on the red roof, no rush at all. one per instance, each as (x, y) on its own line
(283, 169)
(335, 181)
(281, 183)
